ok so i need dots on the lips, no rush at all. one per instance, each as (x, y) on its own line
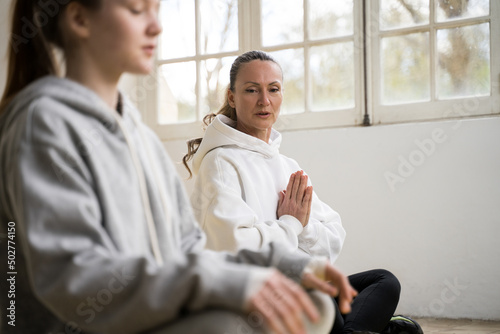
(149, 49)
(263, 115)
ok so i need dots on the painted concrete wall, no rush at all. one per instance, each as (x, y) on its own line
(420, 199)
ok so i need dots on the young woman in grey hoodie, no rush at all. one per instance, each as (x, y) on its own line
(98, 235)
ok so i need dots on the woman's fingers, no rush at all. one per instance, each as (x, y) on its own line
(296, 199)
(346, 291)
(302, 185)
(283, 304)
(296, 178)
(312, 282)
(308, 202)
(289, 187)
(306, 303)
(261, 306)
(336, 285)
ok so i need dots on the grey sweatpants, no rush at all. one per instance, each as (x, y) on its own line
(219, 321)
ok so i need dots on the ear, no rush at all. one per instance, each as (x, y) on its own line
(76, 20)
(230, 98)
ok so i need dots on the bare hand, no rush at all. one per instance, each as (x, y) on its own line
(283, 304)
(336, 284)
(296, 199)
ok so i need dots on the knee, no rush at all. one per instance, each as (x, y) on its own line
(390, 282)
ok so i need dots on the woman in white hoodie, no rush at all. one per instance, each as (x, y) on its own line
(98, 232)
(247, 194)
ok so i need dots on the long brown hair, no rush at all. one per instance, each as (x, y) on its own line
(226, 108)
(35, 30)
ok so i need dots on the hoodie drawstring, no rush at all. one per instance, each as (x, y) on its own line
(160, 182)
(155, 245)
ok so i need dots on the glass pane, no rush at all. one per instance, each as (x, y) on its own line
(332, 73)
(403, 13)
(282, 22)
(292, 64)
(458, 9)
(176, 93)
(178, 37)
(464, 61)
(215, 81)
(330, 18)
(405, 68)
(219, 25)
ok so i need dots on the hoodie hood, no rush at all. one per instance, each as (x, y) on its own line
(82, 109)
(222, 133)
(69, 93)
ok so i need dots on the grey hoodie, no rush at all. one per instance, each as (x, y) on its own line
(88, 197)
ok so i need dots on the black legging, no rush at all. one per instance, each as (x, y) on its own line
(378, 296)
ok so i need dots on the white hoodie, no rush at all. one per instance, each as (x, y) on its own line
(236, 195)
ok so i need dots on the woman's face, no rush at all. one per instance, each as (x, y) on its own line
(257, 97)
(123, 35)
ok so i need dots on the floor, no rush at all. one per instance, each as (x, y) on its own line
(449, 326)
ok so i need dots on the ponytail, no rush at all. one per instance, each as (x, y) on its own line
(194, 144)
(34, 31)
(29, 55)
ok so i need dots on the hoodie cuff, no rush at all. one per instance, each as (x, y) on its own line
(317, 267)
(257, 278)
(292, 222)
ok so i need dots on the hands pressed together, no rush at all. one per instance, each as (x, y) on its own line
(296, 199)
(282, 302)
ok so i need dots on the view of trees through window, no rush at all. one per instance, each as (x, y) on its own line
(461, 57)
(428, 50)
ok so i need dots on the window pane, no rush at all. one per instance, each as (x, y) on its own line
(330, 18)
(176, 94)
(282, 22)
(219, 25)
(464, 61)
(292, 63)
(458, 9)
(215, 80)
(403, 13)
(405, 68)
(177, 16)
(332, 73)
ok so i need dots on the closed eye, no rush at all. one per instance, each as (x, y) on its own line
(135, 11)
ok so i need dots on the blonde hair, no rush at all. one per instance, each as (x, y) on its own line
(226, 108)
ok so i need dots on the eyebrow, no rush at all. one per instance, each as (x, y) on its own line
(258, 84)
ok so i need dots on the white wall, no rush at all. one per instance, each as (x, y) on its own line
(437, 228)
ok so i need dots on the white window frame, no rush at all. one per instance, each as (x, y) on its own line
(434, 109)
(250, 39)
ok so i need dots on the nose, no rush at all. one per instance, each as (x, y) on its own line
(155, 28)
(264, 98)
